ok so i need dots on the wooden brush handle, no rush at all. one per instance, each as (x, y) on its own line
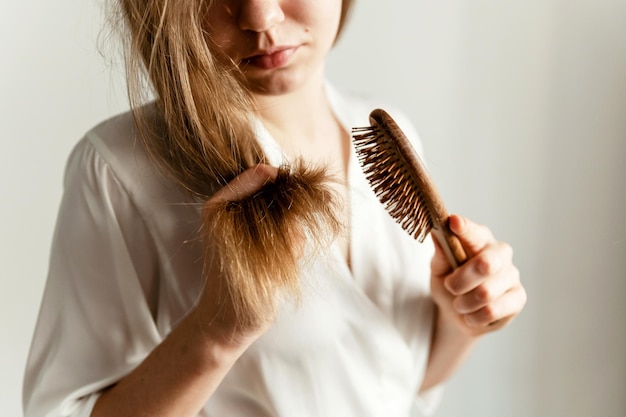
(450, 244)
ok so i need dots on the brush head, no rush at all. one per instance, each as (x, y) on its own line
(402, 184)
(398, 176)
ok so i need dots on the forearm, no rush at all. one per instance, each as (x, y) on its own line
(449, 348)
(176, 379)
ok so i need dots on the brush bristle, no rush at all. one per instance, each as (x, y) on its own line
(387, 170)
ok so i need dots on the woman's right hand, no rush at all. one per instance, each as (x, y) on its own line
(184, 370)
(215, 311)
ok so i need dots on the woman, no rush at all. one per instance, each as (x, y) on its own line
(157, 302)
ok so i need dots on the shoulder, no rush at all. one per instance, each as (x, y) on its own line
(112, 153)
(114, 144)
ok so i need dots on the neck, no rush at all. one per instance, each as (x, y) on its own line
(301, 115)
(304, 125)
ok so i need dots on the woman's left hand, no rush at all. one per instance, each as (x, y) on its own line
(485, 293)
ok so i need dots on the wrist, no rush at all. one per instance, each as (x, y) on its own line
(214, 345)
(454, 325)
(451, 333)
(451, 343)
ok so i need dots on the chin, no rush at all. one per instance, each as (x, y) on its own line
(273, 89)
(278, 83)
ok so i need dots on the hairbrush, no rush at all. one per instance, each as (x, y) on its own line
(402, 183)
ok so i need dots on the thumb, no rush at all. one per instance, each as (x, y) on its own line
(474, 237)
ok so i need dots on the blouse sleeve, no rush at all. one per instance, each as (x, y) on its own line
(96, 320)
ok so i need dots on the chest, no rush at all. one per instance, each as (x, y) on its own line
(335, 154)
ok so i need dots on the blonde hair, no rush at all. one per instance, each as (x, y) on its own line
(202, 136)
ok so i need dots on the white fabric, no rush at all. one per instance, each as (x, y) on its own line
(125, 267)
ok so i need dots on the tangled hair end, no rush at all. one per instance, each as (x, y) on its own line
(260, 242)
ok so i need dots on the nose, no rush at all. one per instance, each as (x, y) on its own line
(260, 15)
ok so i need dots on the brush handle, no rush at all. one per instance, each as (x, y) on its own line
(450, 244)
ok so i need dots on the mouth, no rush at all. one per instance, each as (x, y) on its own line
(270, 59)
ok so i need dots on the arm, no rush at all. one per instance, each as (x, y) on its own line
(179, 376)
(481, 296)
(449, 349)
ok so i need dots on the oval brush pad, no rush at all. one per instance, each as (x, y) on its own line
(402, 183)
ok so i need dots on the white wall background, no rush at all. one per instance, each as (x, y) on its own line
(522, 108)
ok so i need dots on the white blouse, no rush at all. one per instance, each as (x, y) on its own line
(125, 267)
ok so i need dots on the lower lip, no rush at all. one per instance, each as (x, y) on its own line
(274, 60)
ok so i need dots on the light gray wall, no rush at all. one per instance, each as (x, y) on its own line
(54, 85)
(521, 107)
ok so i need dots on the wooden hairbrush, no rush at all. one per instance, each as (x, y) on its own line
(400, 180)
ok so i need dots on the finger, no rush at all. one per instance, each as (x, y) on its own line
(490, 290)
(500, 311)
(246, 183)
(473, 236)
(494, 257)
